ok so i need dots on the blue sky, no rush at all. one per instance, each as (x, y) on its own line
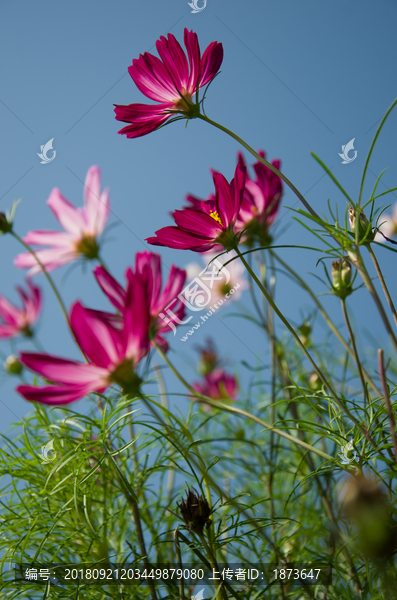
(297, 77)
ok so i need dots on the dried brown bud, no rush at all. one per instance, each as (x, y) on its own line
(366, 504)
(195, 511)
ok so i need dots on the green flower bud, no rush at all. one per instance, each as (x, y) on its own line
(341, 277)
(315, 383)
(366, 234)
(304, 332)
(12, 365)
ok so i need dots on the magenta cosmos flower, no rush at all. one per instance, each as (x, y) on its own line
(148, 266)
(82, 227)
(218, 385)
(19, 320)
(113, 352)
(210, 224)
(261, 202)
(171, 82)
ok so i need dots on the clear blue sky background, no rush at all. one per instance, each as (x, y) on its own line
(297, 77)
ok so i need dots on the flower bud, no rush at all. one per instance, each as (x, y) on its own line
(12, 365)
(208, 358)
(341, 277)
(315, 382)
(195, 511)
(366, 504)
(304, 332)
(5, 226)
(365, 231)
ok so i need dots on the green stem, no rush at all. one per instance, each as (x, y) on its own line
(356, 356)
(52, 284)
(327, 319)
(358, 262)
(383, 284)
(49, 279)
(305, 351)
(263, 161)
(392, 422)
(220, 592)
(243, 413)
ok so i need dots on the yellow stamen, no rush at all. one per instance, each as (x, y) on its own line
(216, 217)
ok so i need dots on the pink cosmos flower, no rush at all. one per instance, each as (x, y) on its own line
(171, 82)
(148, 265)
(19, 320)
(210, 224)
(218, 385)
(82, 227)
(113, 352)
(261, 202)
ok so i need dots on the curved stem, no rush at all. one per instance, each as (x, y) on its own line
(305, 351)
(356, 356)
(243, 413)
(263, 161)
(358, 262)
(327, 319)
(49, 279)
(383, 284)
(52, 284)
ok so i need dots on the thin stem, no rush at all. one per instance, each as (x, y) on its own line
(383, 284)
(382, 373)
(360, 266)
(327, 319)
(221, 592)
(141, 541)
(164, 404)
(356, 356)
(305, 351)
(243, 413)
(49, 279)
(179, 561)
(52, 284)
(263, 161)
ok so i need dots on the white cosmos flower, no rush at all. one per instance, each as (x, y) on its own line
(232, 276)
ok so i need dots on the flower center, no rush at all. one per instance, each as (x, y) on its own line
(87, 246)
(216, 217)
(184, 104)
(225, 288)
(125, 376)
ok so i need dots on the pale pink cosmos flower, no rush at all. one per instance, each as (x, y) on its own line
(148, 265)
(82, 226)
(388, 225)
(113, 352)
(19, 320)
(220, 280)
